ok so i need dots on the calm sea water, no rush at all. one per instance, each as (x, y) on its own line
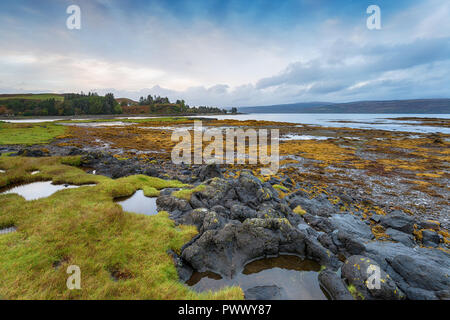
(358, 120)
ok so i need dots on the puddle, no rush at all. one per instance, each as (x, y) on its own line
(138, 203)
(39, 190)
(2, 171)
(98, 124)
(34, 172)
(221, 129)
(8, 230)
(302, 137)
(296, 279)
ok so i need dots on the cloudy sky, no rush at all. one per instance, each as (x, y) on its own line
(230, 52)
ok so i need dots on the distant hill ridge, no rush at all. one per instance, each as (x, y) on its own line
(389, 106)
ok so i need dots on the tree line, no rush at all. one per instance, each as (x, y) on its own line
(73, 104)
(158, 104)
(92, 103)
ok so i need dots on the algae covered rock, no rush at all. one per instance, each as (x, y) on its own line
(367, 280)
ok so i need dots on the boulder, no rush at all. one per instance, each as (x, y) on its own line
(413, 268)
(396, 235)
(352, 226)
(361, 273)
(208, 172)
(430, 238)
(169, 203)
(398, 221)
(420, 274)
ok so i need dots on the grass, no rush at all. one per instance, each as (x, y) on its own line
(84, 227)
(29, 134)
(186, 194)
(44, 96)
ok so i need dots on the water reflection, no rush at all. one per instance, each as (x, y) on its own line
(139, 203)
(39, 190)
(292, 277)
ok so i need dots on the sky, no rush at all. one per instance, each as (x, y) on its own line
(228, 53)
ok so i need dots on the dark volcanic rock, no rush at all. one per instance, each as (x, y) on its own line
(318, 206)
(334, 286)
(351, 225)
(430, 238)
(419, 272)
(404, 238)
(243, 219)
(208, 172)
(169, 203)
(228, 249)
(399, 221)
(422, 275)
(428, 224)
(33, 153)
(358, 271)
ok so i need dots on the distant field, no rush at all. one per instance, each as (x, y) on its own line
(28, 133)
(44, 96)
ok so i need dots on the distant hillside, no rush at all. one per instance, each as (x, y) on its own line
(284, 108)
(391, 106)
(126, 102)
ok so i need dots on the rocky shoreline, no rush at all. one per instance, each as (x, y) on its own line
(240, 218)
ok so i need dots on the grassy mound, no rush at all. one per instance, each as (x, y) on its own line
(121, 255)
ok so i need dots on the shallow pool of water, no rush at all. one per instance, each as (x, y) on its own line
(138, 203)
(303, 137)
(98, 124)
(296, 279)
(8, 230)
(38, 190)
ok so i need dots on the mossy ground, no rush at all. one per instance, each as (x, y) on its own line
(28, 134)
(122, 255)
(186, 194)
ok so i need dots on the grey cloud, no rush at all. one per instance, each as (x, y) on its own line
(328, 74)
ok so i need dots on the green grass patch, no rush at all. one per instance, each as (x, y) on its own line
(85, 227)
(186, 194)
(29, 134)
